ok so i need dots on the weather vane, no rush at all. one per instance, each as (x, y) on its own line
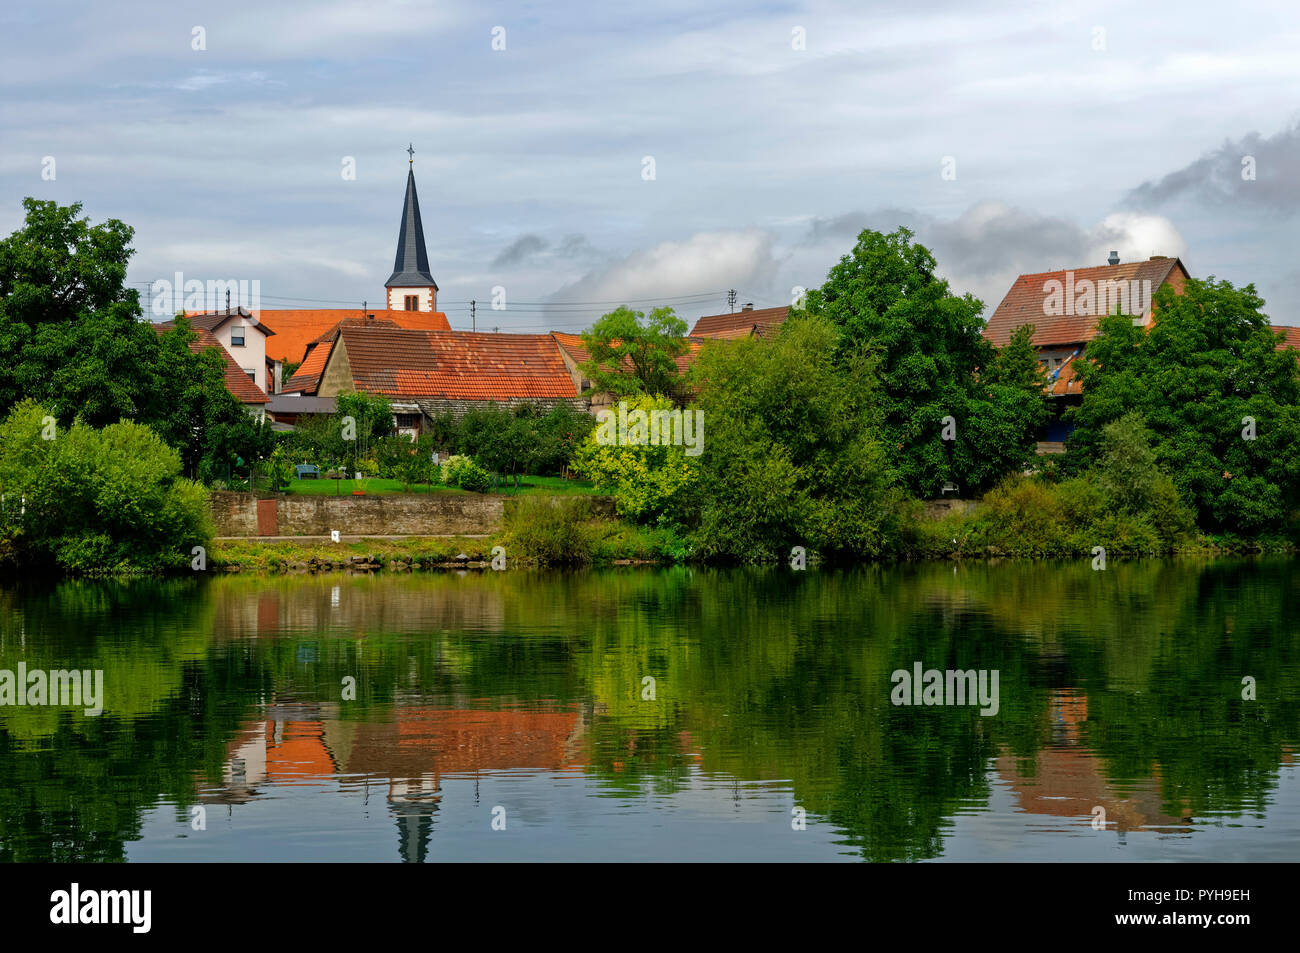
(410, 150)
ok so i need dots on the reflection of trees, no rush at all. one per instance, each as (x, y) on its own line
(759, 675)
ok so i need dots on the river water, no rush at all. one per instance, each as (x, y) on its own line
(1150, 711)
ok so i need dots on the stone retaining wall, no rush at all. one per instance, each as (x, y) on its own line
(405, 514)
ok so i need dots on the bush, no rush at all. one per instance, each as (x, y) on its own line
(95, 501)
(651, 484)
(556, 531)
(463, 472)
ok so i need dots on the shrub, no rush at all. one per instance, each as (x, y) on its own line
(556, 531)
(95, 501)
(463, 472)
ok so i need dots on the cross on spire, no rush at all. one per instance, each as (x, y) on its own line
(410, 150)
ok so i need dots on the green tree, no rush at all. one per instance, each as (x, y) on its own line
(93, 500)
(1221, 401)
(793, 455)
(632, 353)
(942, 420)
(71, 338)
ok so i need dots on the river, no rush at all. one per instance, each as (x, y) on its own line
(1150, 711)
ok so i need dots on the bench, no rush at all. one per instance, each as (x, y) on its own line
(307, 471)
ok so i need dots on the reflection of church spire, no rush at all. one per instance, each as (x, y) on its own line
(415, 801)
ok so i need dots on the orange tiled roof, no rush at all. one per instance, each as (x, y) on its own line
(307, 377)
(237, 381)
(1023, 304)
(739, 323)
(1292, 336)
(294, 330)
(573, 346)
(457, 365)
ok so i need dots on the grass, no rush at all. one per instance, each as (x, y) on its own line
(256, 556)
(376, 486)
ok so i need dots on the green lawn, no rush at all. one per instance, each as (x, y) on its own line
(547, 486)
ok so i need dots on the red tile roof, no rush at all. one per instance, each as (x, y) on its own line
(457, 365)
(307, 377)
(1292, 336)
(739, 323)
(294, 330)
(237, 381)
(1024, 303)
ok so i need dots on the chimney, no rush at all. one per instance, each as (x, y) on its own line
(749, 306)
(1114, 258)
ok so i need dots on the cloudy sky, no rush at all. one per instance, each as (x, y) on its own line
(776, 131)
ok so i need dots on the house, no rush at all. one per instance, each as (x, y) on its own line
(243, 335)
(238, 381)
(743, 323)
(428, 373)
(1064, 307)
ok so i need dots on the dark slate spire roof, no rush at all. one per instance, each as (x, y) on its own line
(411, 268)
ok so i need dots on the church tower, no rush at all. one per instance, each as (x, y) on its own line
(411, 288)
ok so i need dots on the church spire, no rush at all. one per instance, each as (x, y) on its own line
(411, 266)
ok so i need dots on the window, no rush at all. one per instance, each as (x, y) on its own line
(412, 302)
(237, 336)
(1057, 362)
(407, 421)
(252, 376)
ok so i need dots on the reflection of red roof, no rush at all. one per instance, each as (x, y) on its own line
(457, 365)
(1065, 382)
(1025, 302)
(300, 754)
(739, 323)
(295, 329)
(237, 381)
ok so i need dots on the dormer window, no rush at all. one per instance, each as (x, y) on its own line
(237, 337)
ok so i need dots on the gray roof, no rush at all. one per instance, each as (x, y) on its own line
(294, 404)
(411, 267)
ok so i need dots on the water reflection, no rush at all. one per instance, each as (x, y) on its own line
(388, 717)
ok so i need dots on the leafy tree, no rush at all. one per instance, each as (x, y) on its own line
(929, 353)
(632, 353)
(95, 501)
(793, 455)
(650, 483)
(1208, 363)
(70, 338)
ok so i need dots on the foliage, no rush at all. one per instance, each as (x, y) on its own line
(554, 532)
(1207, 363)
(651, 483)
(279, 472)
(70, 338)
(632, 353)
(463, 472)
(793, 456)
(929, 353)
(95, 501)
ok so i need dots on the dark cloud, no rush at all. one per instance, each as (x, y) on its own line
(1218, 175)
(987, 238)
(520, 250)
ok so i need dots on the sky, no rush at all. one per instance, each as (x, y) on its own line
(581, 155)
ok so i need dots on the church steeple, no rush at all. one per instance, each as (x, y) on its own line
(411, 287)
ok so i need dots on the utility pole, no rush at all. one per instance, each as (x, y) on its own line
(473, 326)
(731, 300)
